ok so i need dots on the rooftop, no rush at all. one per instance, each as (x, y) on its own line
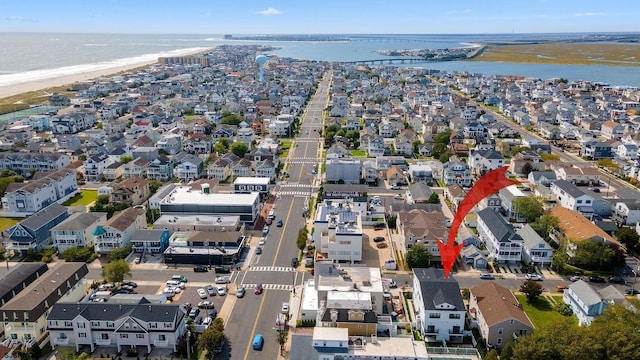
(229, 222)
(331, 277)
(185, 195)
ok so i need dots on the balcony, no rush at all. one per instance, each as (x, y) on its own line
(103, 342)
(19, 328)
(161, 343)
(61, 341)
(21, 246)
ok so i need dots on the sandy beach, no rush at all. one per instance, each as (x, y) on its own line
(41, 84)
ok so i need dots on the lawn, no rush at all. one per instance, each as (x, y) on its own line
(6, 223)
(360, 153)
(540, 311)
(85, 198)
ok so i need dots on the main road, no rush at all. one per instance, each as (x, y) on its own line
(256, 314)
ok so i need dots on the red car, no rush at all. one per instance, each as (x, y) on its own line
(258, 289)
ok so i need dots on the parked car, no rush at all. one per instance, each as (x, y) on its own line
(265, 230)
(616, 280)
(221, 291)
(379, 226)
(399, 197)
(136, 260)
(395, 187)
(378, 239)
(210, 290)
(200, 268)
(269, 221)
(381, 245)
(207, 321)
(597, 279)
(222, 280)
(631, 291)
(129, 283)
(279, 223)
(202, 293)
(285, 308)
(240, 293)
(262, 241)
(206, 305)
(575, 278)
(212, 313)
(533, 277)
(258, 342)
(561, 288)
(180, 278)
(258, 251)
(486, 276)
(258, 289)
(193, 313)
(222, 270)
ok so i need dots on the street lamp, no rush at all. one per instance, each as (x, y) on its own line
(208, 253)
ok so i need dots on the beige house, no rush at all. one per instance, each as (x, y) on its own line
(496, 312)
(133, 191)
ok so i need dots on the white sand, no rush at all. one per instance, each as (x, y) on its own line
(42, 84)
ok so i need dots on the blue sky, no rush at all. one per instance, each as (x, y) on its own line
(319, 17)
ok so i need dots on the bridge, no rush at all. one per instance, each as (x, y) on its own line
(404, 60)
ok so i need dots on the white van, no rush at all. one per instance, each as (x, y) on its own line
(172, 283)
(272, 214)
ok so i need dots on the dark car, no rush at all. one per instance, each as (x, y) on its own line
(223, 270)
(597, 279)
(631, 291)
(258, 289)
(206, 305)
(269, 221)
(258, 251)
(194, 312)
(616, 280)
(279, 223)
(129, 283)
(378, 239)
(212, 313)
(200, 268)
(379, 226)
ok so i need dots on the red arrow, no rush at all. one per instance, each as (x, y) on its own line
(487, 185)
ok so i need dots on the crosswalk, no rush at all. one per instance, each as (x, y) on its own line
(269, 286)
(304, 162)
(303, 158)
(271, 268)
(290, 185)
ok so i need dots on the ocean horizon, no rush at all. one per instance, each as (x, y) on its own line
(41, 56)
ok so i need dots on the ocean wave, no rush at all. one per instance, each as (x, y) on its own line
(43, 74)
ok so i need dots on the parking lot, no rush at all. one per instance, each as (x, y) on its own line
(371, 254)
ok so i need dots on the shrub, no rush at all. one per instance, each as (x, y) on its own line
(564, 309)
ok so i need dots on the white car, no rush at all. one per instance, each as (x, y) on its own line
(176, 290)
(285, 308)
(182, 285)
(220, 291)
(533, 277)
(222, 280)
(262, 241)
(202, 293)
(399, 197)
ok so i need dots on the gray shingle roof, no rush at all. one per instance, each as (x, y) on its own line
(585, 292)
(530, 236)
(79, 221)
(106, 311)
(569, 188)
(44, 216)
(501, 229)
(437, 290)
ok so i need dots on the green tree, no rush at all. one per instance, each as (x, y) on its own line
(125, 159)
(528, 207)
(443, 137)
(154, 185)
(115, 271)
(444, 157)
(506, 353)
(119, 253)
(561, 339)
(630, 238)
(616, 330)
(301, 242)
(549, 157)
(527, 168)
(545, 225)
(518, 149)
(416, 146)
(213, 337)
(531, 289)
(418, 256)
(75, 254)
(609, 164)
(281, 339)
(229, 118)
(596, 255)
(239, 148)
(492, 355)
(434, 199)
(221, 146)
(438, 149)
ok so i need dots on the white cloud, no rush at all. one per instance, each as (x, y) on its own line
(588, 14)
(269, 12)
(19, 18)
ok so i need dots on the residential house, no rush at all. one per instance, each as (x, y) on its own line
(94, 167)
(358, 320)
(135, 168)
(123, 326)
(24, 316)
(595, 150)
(418, 226)
(395, 176)
(150, 241)
(198, 144)
(116, 232)
(170, 143)
(113, 171)
(483, 161)
(42, 190)
(189, 167)
(508, 202)
(587, 303)
(541, 178)
(535, 250)
(456, 172)
(576, 228)
(220, 169)
(627, 151)
(375, 147)
(626, 212)
(525, 160)
(472, 255)
(22, 163)
(77, 230)
(343, 170)
(440, 311)
(339, 230)
(33, 233)
(419, 193)
(242, 168)
(160, 168)
(585, 176)
(421, 173)
(612, 130)
(501, 240)
(132, 191)
(455, 193)
(496, 312)
(570, 197)
(370, 173)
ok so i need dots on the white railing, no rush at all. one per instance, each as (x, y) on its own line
(161, 343)
(103, 342)
(61, 341)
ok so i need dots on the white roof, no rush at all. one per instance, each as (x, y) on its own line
(330, 334)
(252, 181)
(185, 195)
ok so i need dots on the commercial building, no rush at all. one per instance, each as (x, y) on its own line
(247, 185)
(339, 230)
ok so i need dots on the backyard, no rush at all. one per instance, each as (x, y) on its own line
(542, 310)
(6, 223)
(358, 153)
(85, 198)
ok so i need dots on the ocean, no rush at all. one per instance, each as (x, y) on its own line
(34, 56)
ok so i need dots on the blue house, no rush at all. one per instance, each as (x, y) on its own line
(34, 232)
(595, 150)
(150, 242)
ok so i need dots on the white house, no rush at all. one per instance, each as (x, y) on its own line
(338, 230)
(116, 232)
(347, 170)
(571, 197)
(587, 302)
(40, 192)
(440, 311)
(483, 161)
(77, 230)
(627, 151)
(626, 212)
(535, 250)
(501, 240)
